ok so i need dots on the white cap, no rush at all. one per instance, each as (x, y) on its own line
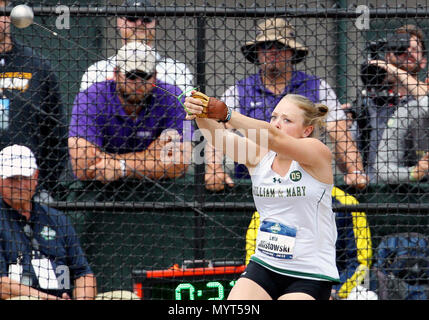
(17, 160)
(136, 55)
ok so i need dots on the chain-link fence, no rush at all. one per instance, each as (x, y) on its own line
(184, 231)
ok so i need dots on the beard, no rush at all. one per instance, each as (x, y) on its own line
(412, 66)
(275, 68)
(271, 70)
(131, 98)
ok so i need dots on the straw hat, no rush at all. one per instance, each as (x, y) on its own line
(275, 29)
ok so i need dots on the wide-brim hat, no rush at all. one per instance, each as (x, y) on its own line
(275, 29)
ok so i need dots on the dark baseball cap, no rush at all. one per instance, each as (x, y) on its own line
(138, 4)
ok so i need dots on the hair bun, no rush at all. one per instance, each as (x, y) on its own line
(322, 109)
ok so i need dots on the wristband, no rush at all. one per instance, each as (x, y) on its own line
(123, 168)
(228, 115)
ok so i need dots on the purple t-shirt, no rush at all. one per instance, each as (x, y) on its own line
(256, 101)
(99, 117)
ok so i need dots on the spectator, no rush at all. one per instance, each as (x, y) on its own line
(119, 127)
(31, 112)
(276, 52)
(389, 116)
(39, 250)
(124, 133)
(40, 254)
(137, 28)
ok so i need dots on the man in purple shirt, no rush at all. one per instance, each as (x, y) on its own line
(129, 126)
(276, 51)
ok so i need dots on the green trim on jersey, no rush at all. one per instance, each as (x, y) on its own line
(294, 273)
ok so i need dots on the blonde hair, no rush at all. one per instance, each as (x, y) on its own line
(314, 113)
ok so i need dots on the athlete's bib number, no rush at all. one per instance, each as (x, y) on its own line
(276, 240)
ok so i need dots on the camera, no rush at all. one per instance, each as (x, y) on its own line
(372, 76)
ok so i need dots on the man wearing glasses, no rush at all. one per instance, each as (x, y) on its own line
(137, 28)
(129, 127)
(40, 255)
(276, 52)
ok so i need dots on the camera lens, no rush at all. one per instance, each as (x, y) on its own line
(372, 75)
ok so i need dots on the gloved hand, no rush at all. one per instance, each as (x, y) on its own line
(212, 107)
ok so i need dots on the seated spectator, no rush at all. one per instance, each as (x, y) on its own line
(127, 127)
(276, 51)
(139, 28)
(40, 254)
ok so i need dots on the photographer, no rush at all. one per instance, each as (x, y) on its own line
(391, 107)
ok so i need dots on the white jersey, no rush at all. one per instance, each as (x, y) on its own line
(168, 71)
(297, 233)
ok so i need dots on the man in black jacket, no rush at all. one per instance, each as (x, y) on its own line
(31, 112)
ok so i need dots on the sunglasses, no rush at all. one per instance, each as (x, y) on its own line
(270, 45)
(143, 19)
(137, 74)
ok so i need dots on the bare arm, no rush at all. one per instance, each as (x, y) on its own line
(301, 150)
(239, 149)
(215, 176)
(415, 87)
(265, 137)
(347, 155)
(162, 159)
(10, 288)
(85, 288)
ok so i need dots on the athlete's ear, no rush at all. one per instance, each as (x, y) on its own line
(308, 131)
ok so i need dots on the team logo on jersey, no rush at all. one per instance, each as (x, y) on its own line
(277, 180)
(295, 175)
(48, 233)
